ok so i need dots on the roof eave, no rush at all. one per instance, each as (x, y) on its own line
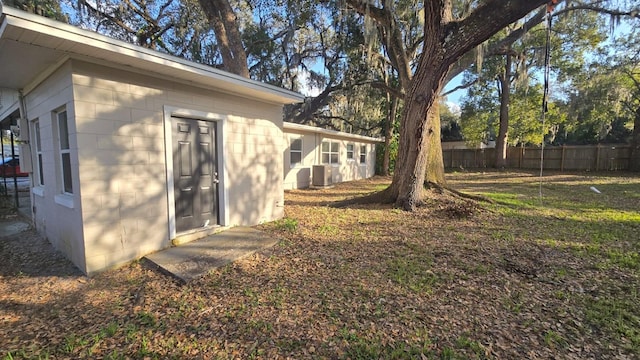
(331, 133)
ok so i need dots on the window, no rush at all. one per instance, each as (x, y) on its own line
(295, 151)
(330, 152)
(65, 152)
(39, 176)
(350, 151)
(363, 154)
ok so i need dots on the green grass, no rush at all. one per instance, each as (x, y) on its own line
(601, 229)
(553, 339)
(146, 319)
(360, 347)
(412, 272)
(618, 318)
(286, 224)
(464, 342)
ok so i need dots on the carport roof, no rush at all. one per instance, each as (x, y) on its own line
(31, 44)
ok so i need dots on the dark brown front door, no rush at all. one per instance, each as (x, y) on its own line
(195, 173)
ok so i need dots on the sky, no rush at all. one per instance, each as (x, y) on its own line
(454, 100)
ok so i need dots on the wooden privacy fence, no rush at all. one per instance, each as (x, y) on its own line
(580, 157)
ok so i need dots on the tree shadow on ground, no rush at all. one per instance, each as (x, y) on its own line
(28, 254)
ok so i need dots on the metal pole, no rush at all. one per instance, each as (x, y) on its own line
(15, 176)
(4, 176)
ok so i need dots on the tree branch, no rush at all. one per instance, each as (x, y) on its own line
(464, 35)
(460, 87)
(107, 16)
(468, 59)
(635, 13)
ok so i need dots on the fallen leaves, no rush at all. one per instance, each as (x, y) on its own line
(364, 282)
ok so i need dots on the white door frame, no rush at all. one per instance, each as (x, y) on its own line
(223, 200)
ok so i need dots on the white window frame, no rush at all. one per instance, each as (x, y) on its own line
(351, 152)
(296, 151)
(37, 141)
(363, 154)
(330, 152)
(63, 137)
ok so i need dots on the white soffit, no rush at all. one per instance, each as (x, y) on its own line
(329, 133)
(29, 44)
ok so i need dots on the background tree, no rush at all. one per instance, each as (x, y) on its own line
(615, 93)
(142, 22)
(448, 34)
(479, 114)
(46, 8)
(450, 121)
(516, 65)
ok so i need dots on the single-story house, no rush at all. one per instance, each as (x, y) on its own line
(129, 149)
(344, 156)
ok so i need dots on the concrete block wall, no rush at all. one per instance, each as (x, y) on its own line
(56, 216)
(121, 165)
(121, 149)
(253, 166)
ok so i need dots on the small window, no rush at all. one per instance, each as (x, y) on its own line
(350, 151)
(65, 152)
(295, 151)
(363, 154)
(39, 176)
(330, 152)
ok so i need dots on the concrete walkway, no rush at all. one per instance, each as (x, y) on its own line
(195, 259)
(13, 226)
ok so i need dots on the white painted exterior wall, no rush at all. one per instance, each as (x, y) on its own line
(56, 216)
(120, 209)
(298, 176)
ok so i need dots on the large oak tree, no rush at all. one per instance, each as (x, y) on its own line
(445, 41)
(223, 19)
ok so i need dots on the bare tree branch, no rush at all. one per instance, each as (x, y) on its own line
(460, 87)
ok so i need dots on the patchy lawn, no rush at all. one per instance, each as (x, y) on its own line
(523, 277)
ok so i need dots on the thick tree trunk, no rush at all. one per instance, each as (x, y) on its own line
(223, 20)
(634, 160)
(418, 130)
(434, 172)
(503, 131)
(445, 42)
(388, 133)
(420, 150)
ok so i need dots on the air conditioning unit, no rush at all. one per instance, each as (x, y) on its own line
(321, 175)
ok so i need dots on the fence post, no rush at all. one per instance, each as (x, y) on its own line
(451, 150)
(597, 157)
(520, 156)
(562, 159)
